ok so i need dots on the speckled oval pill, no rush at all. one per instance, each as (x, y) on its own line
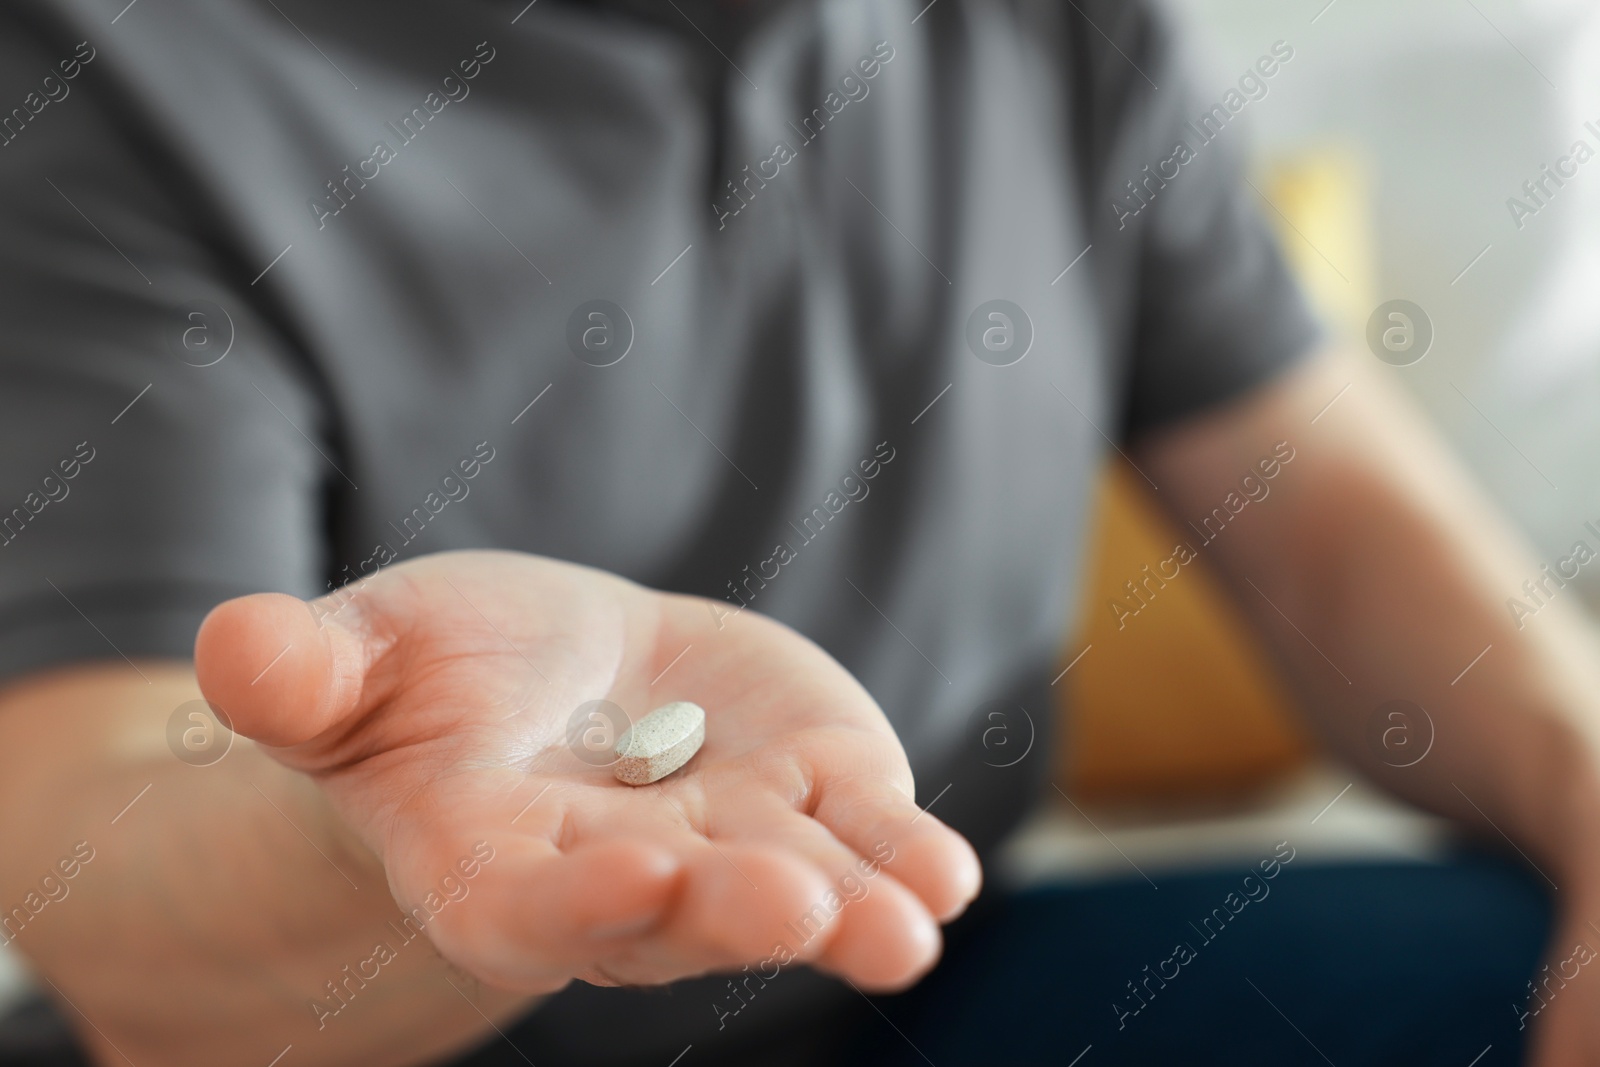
(660, 743)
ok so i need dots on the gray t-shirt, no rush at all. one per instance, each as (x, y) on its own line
(704, 294)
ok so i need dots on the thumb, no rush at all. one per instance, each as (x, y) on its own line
(281, 670)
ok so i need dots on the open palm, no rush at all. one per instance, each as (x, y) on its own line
(443, 706)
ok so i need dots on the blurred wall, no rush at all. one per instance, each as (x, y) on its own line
(1449, 106)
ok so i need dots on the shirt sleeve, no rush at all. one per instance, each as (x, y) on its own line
(163, 443)
(1215, 311)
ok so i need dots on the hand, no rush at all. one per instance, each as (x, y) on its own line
(1563, 1016)
(432, 703)
(219, 902)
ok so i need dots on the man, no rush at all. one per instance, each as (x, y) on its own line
(818, 318)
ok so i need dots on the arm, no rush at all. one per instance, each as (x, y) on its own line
(1396, 572)
(204, 923)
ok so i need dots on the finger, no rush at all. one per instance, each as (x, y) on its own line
(742, 897)
(744, 892)
(886, 937)
(537, 916)
(279, 672)
(647, 909)
(875, 818)
(735, 906)
(888, 940)
(737, 897)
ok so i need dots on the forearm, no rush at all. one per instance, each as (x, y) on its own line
(1406, 602)
(219, 901)
(1379, 573)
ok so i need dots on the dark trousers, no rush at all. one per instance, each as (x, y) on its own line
(1352, 964)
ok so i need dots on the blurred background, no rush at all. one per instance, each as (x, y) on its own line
(1384, 153)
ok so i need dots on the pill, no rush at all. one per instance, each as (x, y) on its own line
(660, 743)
